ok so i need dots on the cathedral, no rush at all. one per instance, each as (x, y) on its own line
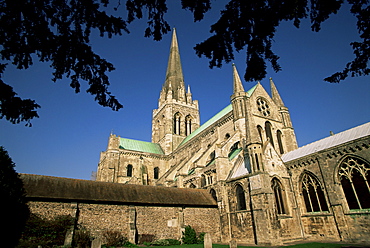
(246, 156)
(239, 176)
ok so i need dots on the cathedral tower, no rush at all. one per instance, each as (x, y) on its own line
(177, 114)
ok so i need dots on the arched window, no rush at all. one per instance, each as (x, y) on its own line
(257, 162)
(260, 131)
(156, 172)
(280, 142)
(313, 194)
(188, 125)
(129, 170)
(203, 181)
(268, 128)
(354, 175)
(176, 123)
(279, 197)
(213, 194)
(240, 198)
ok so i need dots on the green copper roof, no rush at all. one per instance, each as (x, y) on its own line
(140, 146)
(208, 123)
(214, 119)
(233, 154)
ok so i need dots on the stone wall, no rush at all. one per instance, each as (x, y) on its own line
(149, 222)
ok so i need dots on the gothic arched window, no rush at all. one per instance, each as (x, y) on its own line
(313, 194)
(268, 128)
(129, 170)
(354, 176)
(213, 194)
(280, 141)
(240, 198)
(279, 196)
(176, 123)
(260, 131)
(156, 172)
(188, 125)
(203, 181)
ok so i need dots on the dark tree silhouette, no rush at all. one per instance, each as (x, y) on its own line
(13, 207)
(58, 32)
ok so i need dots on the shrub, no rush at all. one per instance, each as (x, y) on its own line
(115, 238)
(82, 238)
(189, 236)
(201, 237)
(146, 238)
(45, 233)
(166, 242)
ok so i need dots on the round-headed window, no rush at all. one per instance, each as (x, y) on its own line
(263, 107)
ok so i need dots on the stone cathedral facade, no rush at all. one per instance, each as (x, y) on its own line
(267, 190)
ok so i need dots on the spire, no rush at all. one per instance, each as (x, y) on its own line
(174, 76)
(238, 86)
(275, 94)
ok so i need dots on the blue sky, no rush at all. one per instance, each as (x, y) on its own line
(73, 129)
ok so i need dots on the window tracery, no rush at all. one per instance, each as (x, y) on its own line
(354, 176)
(263, 107)
(176, 123)
(313, 194)
(188, 125)
(279, 197)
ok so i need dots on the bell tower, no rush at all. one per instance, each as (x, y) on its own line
(177, 114)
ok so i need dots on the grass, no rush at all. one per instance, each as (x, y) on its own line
(306, 245)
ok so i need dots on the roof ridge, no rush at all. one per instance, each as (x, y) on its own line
(328, 142)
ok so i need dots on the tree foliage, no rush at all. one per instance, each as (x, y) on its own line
(58, 32)
(14, 208)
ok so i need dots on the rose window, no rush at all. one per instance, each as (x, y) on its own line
(263, 107)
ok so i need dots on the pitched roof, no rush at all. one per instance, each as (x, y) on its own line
(208, 123)
(331, 141)
(214, 119)
(140, 146)
(65, 189)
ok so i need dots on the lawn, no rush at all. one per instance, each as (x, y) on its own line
(306, 245)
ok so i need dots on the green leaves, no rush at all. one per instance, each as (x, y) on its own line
(58, 32)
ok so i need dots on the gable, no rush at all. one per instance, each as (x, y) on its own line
(214, 119)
